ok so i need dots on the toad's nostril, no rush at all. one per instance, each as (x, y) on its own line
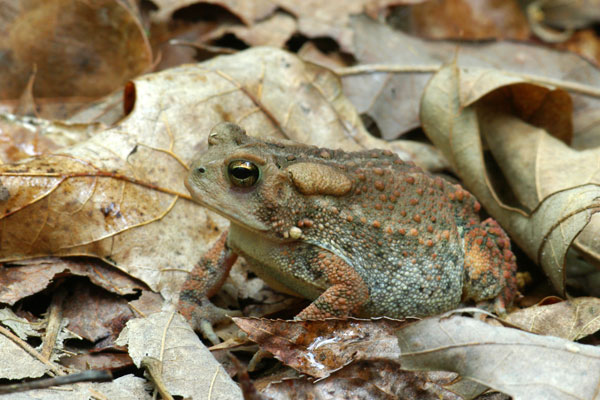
(200, 170)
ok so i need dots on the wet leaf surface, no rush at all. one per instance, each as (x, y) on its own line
(319, 348)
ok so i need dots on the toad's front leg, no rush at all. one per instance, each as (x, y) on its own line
(203, 282)
(347, 293)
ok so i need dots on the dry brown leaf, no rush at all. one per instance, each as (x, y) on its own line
(119, 196)
(570, 319)
(74, 48)
(188, 368)
(148, 303)
(520, 364)
(468, 19)
(32, 276)
(319, 348)
(392, 98)
(314, 19)
(454, 119)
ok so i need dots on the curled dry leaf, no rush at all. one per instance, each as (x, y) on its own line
(545, 15)
(520, 364)
(570, 319)
(188, 368)
(70, 47)
(319, 348)
(556, 187)
(119, 196)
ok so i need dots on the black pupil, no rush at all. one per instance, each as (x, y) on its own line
(242, 171)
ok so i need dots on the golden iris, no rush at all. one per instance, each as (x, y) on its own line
(243, 173)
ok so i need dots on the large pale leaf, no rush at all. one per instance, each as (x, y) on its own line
(188, 368)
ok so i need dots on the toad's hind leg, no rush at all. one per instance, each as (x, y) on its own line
(490, 267)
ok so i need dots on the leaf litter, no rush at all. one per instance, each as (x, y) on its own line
(269, 115)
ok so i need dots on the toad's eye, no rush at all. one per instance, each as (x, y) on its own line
(243, 173)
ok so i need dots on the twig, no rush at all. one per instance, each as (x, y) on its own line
(154, 368)
(390, 68)
(373, 68)
(86, 376)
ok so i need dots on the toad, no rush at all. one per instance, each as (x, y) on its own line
(358, 233)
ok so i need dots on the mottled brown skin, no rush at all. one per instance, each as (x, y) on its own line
(359, 233)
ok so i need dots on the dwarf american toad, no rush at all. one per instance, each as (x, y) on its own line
(360, 233)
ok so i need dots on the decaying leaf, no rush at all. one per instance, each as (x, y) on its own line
(28, 365)
(455, 113)
(521, 364)
(570, 319)
(119, 196)
(188, 368)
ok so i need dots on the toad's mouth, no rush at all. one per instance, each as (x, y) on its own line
(232, 215)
